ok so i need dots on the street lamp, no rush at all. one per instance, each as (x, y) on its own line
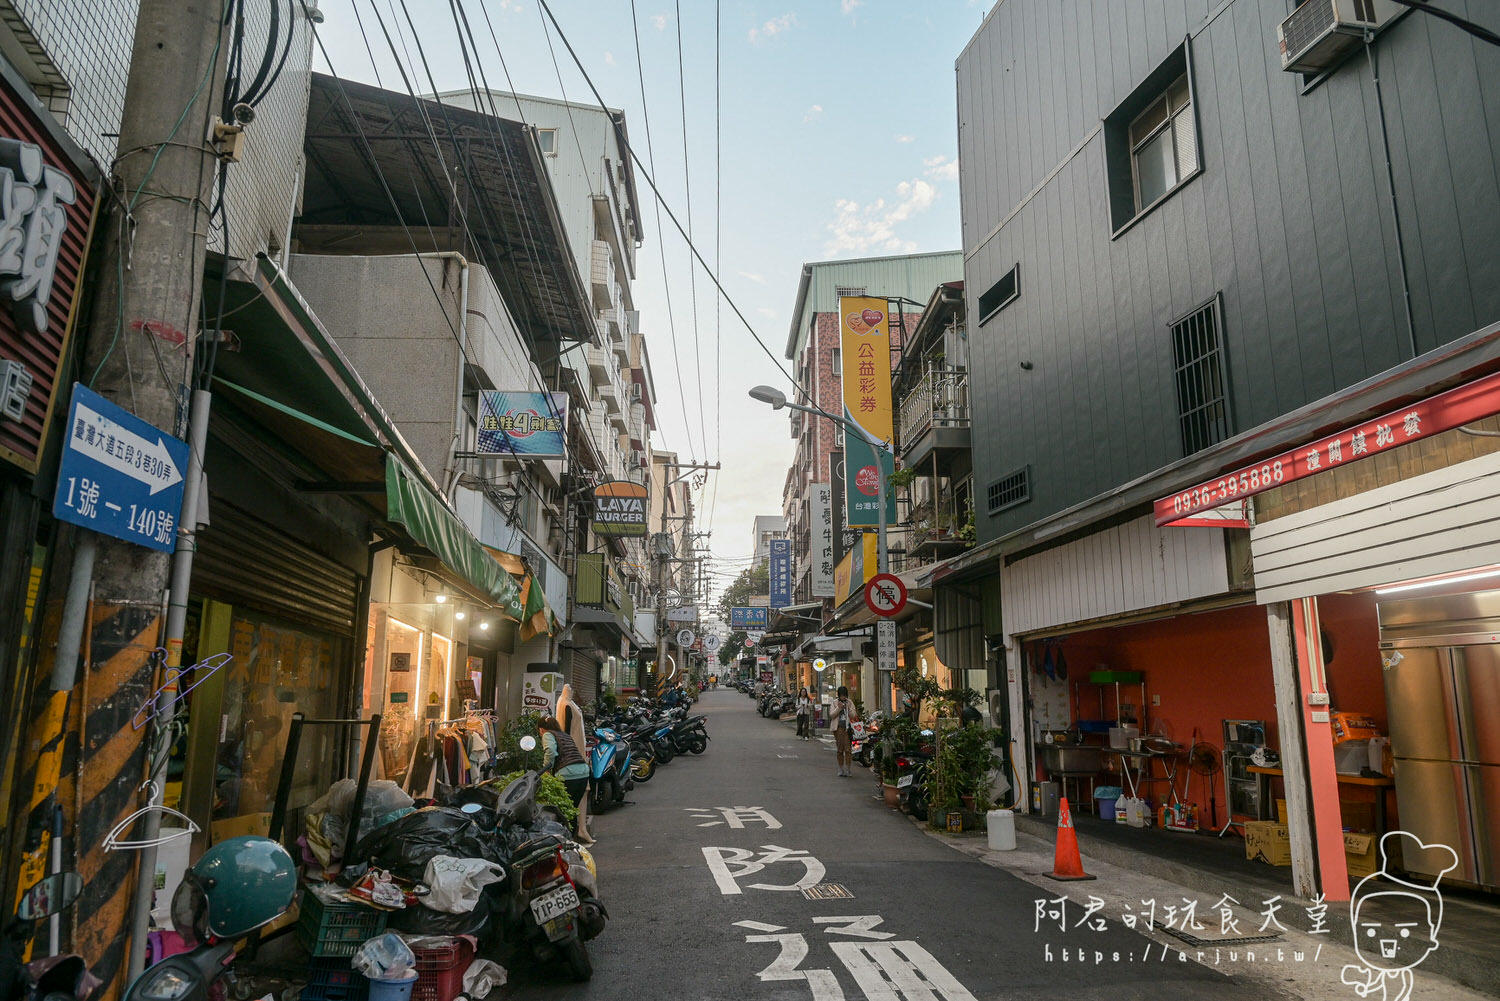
(777, 399)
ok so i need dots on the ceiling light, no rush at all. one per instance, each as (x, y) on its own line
(484, 625)
(1438, 582)
(458, 615)
(442, 598)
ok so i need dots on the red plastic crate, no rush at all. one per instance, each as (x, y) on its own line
(440, 971)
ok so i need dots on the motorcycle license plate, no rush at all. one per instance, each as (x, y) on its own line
(548, 906)
(903, 781)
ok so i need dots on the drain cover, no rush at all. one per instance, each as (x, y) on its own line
(1228, 940)
(828, 891)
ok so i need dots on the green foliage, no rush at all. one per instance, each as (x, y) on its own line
(902, 477)
(551, 792)
(952, 701)
(913, 683)
(961, 768)
(967, 531)
(752, 581)
(508, 742)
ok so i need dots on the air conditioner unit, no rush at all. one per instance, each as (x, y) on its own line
(1319, 32)
(637, 457)
(637, 391)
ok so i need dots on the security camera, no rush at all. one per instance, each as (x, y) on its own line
(243, 113)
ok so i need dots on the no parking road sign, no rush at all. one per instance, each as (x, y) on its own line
(885, 595)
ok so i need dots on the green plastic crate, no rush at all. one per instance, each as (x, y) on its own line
(337, 929)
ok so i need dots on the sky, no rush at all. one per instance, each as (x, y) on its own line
(837, 138)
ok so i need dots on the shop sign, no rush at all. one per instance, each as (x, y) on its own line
(686, 613)
(865, 342)
(781, 573)
(685, 637)
(523, 424)
(540, 688)
(711, 642)
(1444, 412)
(46, 209)
(749, 617)
(820, 514)
(119, 476)
(619, 509)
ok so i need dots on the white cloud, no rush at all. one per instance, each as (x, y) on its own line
(751, 276)
(775, 26)
(659, 21)
(812, 113)
(940, 168)
(848, 6)
(609, 58)
(766, 311)
(903, 138)
(511, 5)
(872, 227)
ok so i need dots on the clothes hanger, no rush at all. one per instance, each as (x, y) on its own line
(111, 844)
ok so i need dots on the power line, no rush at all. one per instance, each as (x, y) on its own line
(661, 245)
(651, 181)
(687, 185)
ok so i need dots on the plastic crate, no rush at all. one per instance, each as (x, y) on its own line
(334, 980)
(336, 929)
(440, 971)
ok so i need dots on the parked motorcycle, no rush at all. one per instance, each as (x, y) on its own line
(690, 735)
(609, 765)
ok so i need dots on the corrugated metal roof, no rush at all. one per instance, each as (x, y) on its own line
(908, 276)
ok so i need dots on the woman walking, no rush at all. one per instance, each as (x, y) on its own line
(842, 718)
(570, 721)
(804, 715)
(561, 757)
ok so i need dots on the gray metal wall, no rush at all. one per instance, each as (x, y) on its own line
(1290, 220)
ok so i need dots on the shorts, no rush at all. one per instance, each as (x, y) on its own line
(577, 788)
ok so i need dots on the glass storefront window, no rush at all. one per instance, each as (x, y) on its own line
(411, 673)
(276, 671)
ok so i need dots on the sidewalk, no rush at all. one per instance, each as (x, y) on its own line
(1136, 869)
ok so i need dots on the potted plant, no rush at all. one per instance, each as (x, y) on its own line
(897, 734)
(959, 778)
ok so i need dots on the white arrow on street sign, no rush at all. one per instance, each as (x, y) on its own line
(136, 457)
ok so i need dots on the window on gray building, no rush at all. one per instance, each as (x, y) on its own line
(1000, 294)
(1198, 357)
(1151, 141)
(1009, 490)
(547, 140)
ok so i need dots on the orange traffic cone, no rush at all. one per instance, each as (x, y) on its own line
(1067, 863)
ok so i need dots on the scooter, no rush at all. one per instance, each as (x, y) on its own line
(53, 977)
(609, 764)
(690, 735)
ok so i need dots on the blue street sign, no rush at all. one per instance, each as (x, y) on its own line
(119, 475)
(749, 617)
(781, 573)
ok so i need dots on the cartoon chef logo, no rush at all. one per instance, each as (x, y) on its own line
(1396, 916)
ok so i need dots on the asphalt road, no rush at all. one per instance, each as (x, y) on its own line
(949, 927)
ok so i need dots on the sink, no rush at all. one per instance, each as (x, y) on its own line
(1071, 759)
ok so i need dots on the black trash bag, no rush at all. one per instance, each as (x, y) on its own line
(405, 846)
(420, 920)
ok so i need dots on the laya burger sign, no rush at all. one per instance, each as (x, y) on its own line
(47, 203)
(619, 509)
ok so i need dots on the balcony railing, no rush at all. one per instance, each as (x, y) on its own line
(940, 399)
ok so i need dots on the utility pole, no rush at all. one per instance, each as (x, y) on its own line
(150, 283)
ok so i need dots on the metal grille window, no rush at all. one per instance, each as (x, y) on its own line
(1198, 356)
(1009, 490)
(848, 291)
(1163, 144)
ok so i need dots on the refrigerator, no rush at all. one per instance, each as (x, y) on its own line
(1441, 657)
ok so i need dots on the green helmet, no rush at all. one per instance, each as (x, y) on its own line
(237, 886)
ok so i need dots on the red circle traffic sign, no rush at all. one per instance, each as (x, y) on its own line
(885, 594)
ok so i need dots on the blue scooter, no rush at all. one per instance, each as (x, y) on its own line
(609, 764)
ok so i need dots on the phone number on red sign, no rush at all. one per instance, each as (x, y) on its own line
(1247, 481)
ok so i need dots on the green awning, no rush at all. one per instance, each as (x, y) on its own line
(434, 526)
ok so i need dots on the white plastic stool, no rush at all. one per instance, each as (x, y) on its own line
(1002, 828)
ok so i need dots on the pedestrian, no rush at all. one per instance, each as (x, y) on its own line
(562, 757)
(570, 721)
(804, 715)
(842, 718)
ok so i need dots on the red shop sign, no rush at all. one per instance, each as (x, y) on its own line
(1458, 406)
(46, 211)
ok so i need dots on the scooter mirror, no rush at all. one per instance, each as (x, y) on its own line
(528, 743)
(55, 893)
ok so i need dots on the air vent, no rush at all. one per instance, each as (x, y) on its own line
(848, 292)
(1000, 294)
(1010, 490)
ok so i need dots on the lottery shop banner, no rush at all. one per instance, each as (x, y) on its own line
(866, 351)
(531, 425)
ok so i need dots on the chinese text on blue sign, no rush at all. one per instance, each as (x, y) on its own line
(747, 617)
(781, 573)
(119, 475)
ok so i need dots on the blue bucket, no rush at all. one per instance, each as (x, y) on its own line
(392, 990)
